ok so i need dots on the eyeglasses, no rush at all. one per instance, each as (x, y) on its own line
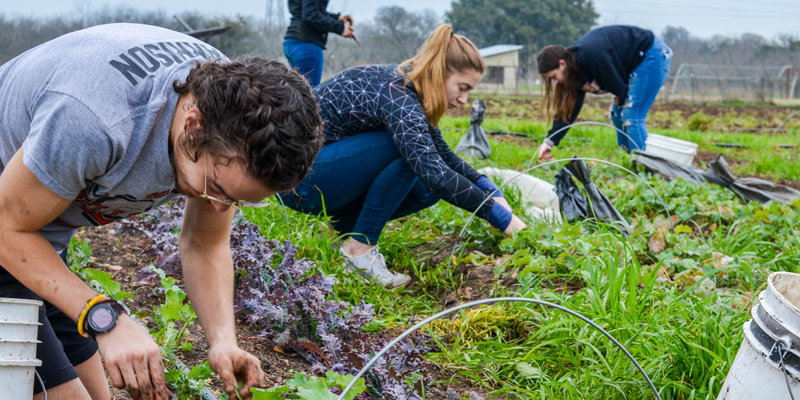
(227, 201)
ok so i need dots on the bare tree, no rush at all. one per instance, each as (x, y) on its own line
(394, 35)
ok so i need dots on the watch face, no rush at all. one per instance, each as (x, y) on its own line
(102, 318)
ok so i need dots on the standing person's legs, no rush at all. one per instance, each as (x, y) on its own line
(644, 85)
(615, 115)
(306, 57)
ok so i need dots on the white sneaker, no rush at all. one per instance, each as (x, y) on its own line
(372, 266)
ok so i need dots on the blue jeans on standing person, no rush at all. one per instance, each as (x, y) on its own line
(362, 182)
(643, 86)
(306, 57)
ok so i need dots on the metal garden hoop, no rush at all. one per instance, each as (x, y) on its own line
(285, 214)
(784, 121)
(536, 153)
(491, 301)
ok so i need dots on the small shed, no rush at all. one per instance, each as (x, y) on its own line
(502, 63)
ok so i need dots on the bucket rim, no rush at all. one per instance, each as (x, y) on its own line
(675, 149)
(4, 322)
(28, 362)
(771, 280)
(9, 300)
(677, 141)
(19, 341)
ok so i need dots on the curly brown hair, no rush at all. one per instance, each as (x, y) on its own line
(256, 111)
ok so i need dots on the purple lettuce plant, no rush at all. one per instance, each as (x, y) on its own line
(294, 304)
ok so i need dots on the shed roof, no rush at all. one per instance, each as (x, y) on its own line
(499, 49)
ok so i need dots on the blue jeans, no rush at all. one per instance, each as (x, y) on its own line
(362, 182)
(644, 84)
(306, 57)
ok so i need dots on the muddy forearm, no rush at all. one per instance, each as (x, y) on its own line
(31, 259)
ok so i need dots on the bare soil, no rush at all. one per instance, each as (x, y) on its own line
(517, 140)
(708, 156)
(476, 281)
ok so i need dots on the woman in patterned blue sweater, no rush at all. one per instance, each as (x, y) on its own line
(385, 158)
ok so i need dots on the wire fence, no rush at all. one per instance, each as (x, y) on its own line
(698, 82)
(735, 82)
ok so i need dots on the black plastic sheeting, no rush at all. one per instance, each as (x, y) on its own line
(475, 142)
(667, 169)
(748, 189)
(595, 205)
(718, 172)
(570, 198)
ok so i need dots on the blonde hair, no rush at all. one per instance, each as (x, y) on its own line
(442, 52)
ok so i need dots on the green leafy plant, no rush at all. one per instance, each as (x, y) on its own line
(314, 388)
(175, 309)
(79, 255)
(699, 122)
(167, 316)
(189, 385)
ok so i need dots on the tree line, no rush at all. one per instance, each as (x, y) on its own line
(395, 34)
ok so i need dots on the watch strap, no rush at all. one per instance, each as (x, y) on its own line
(82, 316)
(118, 308)
(115, 305)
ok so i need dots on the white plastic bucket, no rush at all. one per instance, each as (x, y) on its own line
(19, 310)
(539, 194)
(755, 373)
(672, 149)
(16, 378)
(18, 330)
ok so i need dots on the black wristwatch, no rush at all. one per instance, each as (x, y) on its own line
(102, 317)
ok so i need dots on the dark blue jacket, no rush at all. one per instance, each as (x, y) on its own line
(311, 23)
(607, 57)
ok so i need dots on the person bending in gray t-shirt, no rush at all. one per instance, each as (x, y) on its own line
(111, 121)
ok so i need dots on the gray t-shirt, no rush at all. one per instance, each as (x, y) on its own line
(92, 111)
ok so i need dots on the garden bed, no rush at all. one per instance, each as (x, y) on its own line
(120, 255)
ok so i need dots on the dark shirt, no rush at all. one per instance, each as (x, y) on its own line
(375, 98)
(311, 23)
(606, 58)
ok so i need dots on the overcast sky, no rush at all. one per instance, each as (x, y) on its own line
(703, 18)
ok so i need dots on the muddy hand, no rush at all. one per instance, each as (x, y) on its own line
(234, 365)
(133, 360)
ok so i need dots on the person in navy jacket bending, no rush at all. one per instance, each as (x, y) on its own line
(629, 62)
